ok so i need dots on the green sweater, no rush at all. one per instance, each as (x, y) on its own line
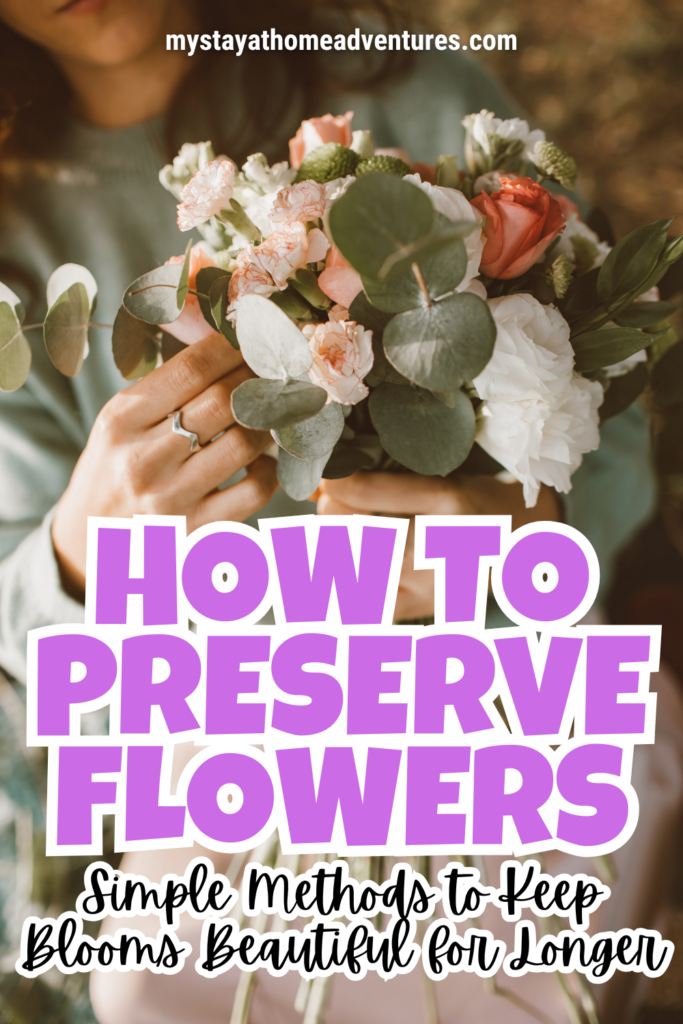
(99, 204)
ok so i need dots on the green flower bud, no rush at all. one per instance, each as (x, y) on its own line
(585, 252)
(327, 162)
(554, 163)
(559, 275)
(383, 165)
(447, 173)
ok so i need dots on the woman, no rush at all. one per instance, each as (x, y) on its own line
(80, 168)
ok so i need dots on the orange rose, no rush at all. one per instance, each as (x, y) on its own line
(521, 221)
(316, 132)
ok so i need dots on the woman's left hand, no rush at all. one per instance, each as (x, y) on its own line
(410, 494)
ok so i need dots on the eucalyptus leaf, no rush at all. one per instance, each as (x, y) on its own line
(219, 302)
(206, 278)
(299, 478)
(596, 349)
(64, 277)
(440, 274)
(184, 281)
(135, 345)
(15, 351)
(272, 345)
(314, 437)
(667, 376)
(419, 431)
(427, 249)
(273, 404)
(65, 330)
(347, 459)
(363, 312)
(377, 217)
(381, 367)
(632, 260)
(441, 345)
(623, 391)
(448, 398)
(152, 297)
(291, 303)
(644, 314)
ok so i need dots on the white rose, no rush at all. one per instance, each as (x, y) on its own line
(342, 356)
(539, 417)
(581, 245)
(453, 204)
(206, 194)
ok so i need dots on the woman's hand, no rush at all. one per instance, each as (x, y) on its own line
(410, 494)
(135, 464)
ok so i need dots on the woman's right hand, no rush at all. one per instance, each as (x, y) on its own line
(135, 464)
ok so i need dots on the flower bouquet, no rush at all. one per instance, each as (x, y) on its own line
(396, 317)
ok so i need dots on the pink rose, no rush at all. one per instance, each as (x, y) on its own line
(287, 250)
(206, 194)
(566, 205)
(522, 220)
(249, 278)
(191, 325)
(338, 280)
(342, 356)
(303, 202)
(316, 132)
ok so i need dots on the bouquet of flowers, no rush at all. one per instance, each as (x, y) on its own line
(396, 317)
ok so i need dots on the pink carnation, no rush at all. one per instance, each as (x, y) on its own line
(302, 202)
(206, 194)
(342, 356)
(288, 250)
(316, 132)
(249, 278)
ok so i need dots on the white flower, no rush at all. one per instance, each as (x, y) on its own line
(489, 137)
(581, 245)
(206, 194)
(193, 157)
(453, 204)
(538, 416)
(342, 356)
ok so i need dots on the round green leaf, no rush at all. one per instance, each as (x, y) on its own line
(65, 330)
(299, 478)
(15, 351)
(379, 216)
(441, 345)
(271, 343)
(314, 437)
(152, 297)
(441, 273)
(219, 302)
(347, 459)
(381, 367)
(135, 345)
(65, 276)
(273, 404)
(419, 431)
(364, 312)
(623, 391)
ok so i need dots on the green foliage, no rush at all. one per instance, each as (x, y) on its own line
(419, 431)
(273, 404)
(183, 285)
(135, 345)
(297, 477)
(623, 391)
(596, 349)
(441, 345)
(15, 351)
(152, 297)
(327, 162)
(206, 278)
(346, 459)
(645, 314)
(440, 273)
(272, 345)
(314, 437)
(65, 330)
(632, 261)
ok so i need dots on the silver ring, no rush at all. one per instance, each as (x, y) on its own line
(178, 428)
